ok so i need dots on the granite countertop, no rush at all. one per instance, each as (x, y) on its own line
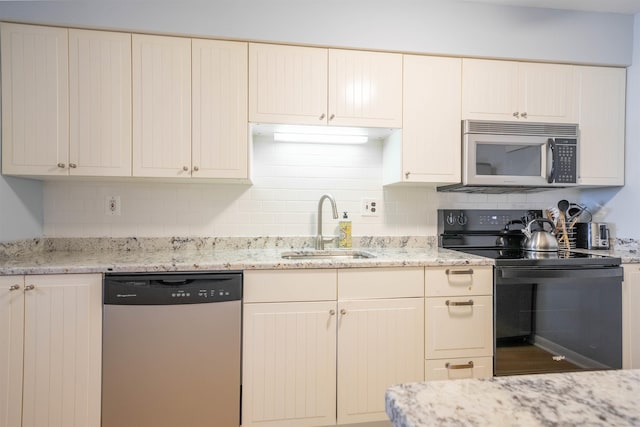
(596, 398)
(92, 256)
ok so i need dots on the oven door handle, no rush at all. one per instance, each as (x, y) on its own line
(558, 273)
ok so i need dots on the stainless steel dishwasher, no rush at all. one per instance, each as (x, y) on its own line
(172, 350)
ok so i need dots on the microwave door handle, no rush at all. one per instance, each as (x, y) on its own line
(551, 143)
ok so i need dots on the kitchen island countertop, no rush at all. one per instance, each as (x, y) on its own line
(596, 398)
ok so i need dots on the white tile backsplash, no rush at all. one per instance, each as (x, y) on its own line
(288, 180)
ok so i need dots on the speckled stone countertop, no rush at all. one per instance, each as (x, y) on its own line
(597, 398)
(57, 256)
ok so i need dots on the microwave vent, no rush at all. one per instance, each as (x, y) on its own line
(519, 128)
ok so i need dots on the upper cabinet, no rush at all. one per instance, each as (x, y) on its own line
(35, 100)
(513, 91)
(66, 101)
(161, 106)
(99, 103)
(315, 86)
(428, 148)
(602, 125)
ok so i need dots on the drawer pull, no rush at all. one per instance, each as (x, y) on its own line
(29, 287)
(14, 287)
(454, 272)
(459, 303)
(465, 366)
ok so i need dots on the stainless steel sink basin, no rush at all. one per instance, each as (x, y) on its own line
(327, 254)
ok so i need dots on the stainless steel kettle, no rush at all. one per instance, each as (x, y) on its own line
(539, 240)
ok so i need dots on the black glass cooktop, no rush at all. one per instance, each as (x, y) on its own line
(519, 257)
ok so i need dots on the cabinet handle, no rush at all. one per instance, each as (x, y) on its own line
(331, 117)
(524, 115)
(196, 168)
(14, 287)
(459, 303)
(457, 272)
(185, 168)
(465, 366)
(29, 287)
(516, 114)
(406, 175)
(343, 312)
(73, 165)
(322, 116)
(61, 165)
(332, 312)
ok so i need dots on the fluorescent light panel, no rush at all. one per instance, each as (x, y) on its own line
(320, 138)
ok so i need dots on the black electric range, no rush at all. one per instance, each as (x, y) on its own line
(497, 234)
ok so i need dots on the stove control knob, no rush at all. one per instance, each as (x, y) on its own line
(462, 220)
(451, 219)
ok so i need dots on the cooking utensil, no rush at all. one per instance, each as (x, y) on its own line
(539, 240)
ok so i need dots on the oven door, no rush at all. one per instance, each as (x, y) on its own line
(557, 319)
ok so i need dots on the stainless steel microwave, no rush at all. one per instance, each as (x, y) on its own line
(502, 157)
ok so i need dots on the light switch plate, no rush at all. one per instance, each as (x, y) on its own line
(370, 207)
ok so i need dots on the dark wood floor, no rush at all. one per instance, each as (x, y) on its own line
(529, 359)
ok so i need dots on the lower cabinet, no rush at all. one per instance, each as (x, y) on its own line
(327, 354)
(458, 322)
(50, 358)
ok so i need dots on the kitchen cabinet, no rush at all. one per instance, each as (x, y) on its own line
(35, 100)
(428, 148)
(602, 92)
(99, 103)
(458, 322)
(517, 91)
(66, 101)
(317, 86)
(50, 369)
(189, 108)
(631, 317)
(161, 106)
(292, 322)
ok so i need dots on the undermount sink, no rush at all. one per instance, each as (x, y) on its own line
(327, 254)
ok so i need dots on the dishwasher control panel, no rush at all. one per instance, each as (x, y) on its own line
(172, 288)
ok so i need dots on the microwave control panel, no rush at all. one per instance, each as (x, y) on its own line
(566, 160)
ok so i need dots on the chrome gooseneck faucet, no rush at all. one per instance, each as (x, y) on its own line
(320, 241)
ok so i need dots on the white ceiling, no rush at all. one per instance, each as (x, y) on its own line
(616, 6)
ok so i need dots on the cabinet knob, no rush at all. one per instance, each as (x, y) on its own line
(524, 115)
(332, 312)
(61, 165)
(406, 175)
(14, 287)
(73, 165)
(322, 116)
(185, 168)
(343, 312)
(29, 287)
(516, 114)
(331, 117)
(196, 168)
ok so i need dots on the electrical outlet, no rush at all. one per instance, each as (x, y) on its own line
(370, 207)
(112, 206)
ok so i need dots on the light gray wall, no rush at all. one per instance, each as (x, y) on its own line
(425, 26)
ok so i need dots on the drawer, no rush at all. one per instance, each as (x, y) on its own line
(289, 285)
(458, 327)
(370, 283)
(458, 368)
(458, 280)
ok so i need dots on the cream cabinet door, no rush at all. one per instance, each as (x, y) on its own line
(459, 327)
(631, 317)
(220, 140)
(602, 125)
(289, 364)
(365, 88)
(287, 84)
(99, 103)
(431, 120)
(518, 91)
(11, 344)
(379, 344)
(35, 100)
(161, 106)
(62, 350)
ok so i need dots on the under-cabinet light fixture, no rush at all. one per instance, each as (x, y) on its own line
(320, 138)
